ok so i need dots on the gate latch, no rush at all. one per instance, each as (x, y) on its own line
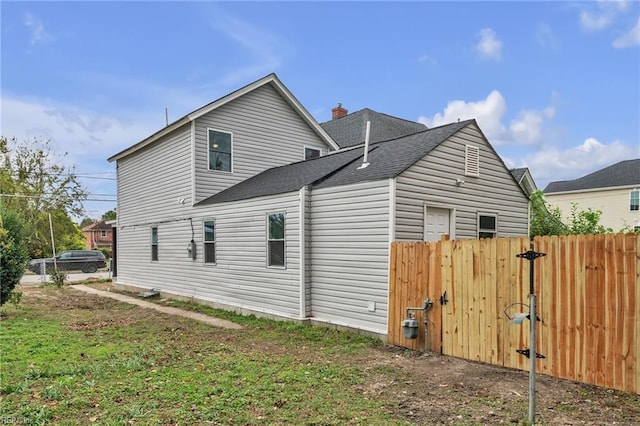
(443, 298)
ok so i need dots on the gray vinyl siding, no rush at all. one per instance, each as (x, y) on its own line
(432, 180)
(350, 246)
(240, 277)
(266, 131)
(151, 181)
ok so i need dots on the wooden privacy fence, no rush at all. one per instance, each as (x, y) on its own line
(588, 289)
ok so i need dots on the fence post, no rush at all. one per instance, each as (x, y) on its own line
(531, 353)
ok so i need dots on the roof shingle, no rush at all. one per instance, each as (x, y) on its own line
(623, 173)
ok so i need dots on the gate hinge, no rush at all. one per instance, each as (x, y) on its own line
(526, 353)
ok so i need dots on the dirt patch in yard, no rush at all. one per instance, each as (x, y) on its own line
(424, 389)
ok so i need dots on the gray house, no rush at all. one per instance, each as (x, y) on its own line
(249, 204)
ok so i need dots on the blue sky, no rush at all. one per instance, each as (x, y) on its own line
(555, 86)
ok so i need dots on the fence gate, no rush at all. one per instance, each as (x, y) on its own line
(588, 290)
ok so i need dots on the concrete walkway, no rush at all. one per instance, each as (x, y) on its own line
(165, 309)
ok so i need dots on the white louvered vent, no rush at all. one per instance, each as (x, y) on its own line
(472, 161)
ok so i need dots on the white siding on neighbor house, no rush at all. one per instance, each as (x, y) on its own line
(240, 277)
(614, 203)
(432, 180)
(267, 133)
(350, 255)
(151, 181)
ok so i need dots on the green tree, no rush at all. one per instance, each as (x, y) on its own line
(110, 215)
(34, 182)
(13, 252)
(547, 220)
(86, 221)
(586, 221)
(544, 219)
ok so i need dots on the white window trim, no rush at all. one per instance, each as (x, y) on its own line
(304, 151)
(103, 233)
(478, 230)
(630, 193)
(205, 242)
(209, 157)
(471, 169)
(284, 266)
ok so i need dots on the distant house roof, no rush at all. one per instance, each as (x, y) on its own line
(624, 173)
(522, 175)
(386, 159)
(350, 130)
(270, 79)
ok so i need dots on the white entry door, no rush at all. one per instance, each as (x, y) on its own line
(436, 223)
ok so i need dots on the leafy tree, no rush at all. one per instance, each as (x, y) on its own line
(586, 221)
(86, 221)
(547, 220)
(34, 182)
(13, 252)
(110, 215)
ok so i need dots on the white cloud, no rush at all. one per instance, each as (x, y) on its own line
(86, 135)
(525, 129)
(605, 16)
(489, 46)
(427, 59)
(552, 164)
(545, 36)
(488, 112)
(38, 33)
(631, 38)
(89, 137)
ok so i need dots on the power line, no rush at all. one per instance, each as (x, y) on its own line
(55, 196)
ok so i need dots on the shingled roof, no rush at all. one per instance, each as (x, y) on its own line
(350, 130)
(624, 173)
(386, 159)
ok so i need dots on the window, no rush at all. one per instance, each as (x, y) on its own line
(487, 226)
(634, 200)
(154, 243)
(275, 240)
(220, 152)
(103, 233)
(471, 161)
(310, 153)
(209, 241)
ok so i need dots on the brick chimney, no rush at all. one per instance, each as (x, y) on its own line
(338, 112)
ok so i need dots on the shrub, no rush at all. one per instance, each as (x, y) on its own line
(58, 277)
(14, 254)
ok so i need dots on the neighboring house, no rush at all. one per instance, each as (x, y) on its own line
(221, 206)
(614, 190)
(525, 180)
(98, 235)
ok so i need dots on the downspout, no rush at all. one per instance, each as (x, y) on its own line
(302, 214)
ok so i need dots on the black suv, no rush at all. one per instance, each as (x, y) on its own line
(84, 260)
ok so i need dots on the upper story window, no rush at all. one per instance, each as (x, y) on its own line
(103, 233)
(275, 240)
(220, 150)
(471, 160)
(310, 153)
(487, 226)
(154, 243)
(634, 200)
(209, 241)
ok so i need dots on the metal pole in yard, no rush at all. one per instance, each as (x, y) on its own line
(53, 244)
(531, 353)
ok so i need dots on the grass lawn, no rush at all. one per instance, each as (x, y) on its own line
(71, 359)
